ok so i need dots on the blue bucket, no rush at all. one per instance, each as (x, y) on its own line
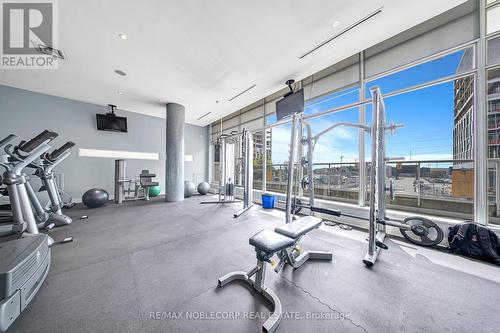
(268, 201)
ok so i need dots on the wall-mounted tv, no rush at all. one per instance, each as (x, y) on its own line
(290, 104)
(108, 122)
(111, 122)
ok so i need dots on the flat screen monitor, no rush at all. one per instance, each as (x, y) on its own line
(290, 104)
(107, 122)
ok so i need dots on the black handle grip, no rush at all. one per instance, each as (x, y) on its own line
(59, 151)
(37, 141)
(7, 140)
(337, 213)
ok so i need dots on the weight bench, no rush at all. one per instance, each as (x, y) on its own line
(145, 182)
(267, 243)
(296, 230)
(282, 242)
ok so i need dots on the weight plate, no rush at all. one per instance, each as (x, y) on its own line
(422, 231)
(345, 226)
(304, 161)
(296, 205)
(305, 183)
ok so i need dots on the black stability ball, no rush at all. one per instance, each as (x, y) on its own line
(95, 197)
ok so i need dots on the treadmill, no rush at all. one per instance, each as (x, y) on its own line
(25, 256)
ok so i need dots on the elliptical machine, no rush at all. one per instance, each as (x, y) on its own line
(51, 215)
(8, 225)
(16, 181)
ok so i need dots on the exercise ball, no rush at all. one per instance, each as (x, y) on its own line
(95, 197)
(154, 191)
(203, 188)
(189, 188)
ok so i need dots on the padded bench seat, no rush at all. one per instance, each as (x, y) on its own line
(147, 175)
(143, 183)
(270, 242)
(300, 227)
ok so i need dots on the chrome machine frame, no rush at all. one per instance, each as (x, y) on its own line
(24, 154)
(245, 170)
(377, 189)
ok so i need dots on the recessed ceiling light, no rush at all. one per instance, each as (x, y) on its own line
(120, 92)
(336, 24)
(120, 72)
(123, 36)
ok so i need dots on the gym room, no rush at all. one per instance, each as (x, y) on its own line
(249, 166)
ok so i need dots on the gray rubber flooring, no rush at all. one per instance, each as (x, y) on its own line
(153, 267)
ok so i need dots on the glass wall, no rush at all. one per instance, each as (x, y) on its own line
(332, 100)
(261, 149)
(452, 64)
(336, 167)
(277, 160)
(433, 170)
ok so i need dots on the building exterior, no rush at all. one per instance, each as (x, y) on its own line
(463, 108)
(262, 140)
(494, 113)
(463, 111)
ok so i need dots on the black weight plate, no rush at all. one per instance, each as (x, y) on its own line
(422, 231)
(296, 205)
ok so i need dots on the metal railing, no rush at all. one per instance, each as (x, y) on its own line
(434, 185)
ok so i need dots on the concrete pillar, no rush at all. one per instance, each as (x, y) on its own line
(174, 164)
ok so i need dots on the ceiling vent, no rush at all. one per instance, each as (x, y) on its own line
(206, 114)
(349, 28)
(49, 50)
(241, 93)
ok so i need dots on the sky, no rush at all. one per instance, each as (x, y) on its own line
(427, 115)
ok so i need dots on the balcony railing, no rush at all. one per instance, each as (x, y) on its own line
(438, 187)
(445, 187)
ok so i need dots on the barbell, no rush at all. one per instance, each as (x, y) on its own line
(417, 230)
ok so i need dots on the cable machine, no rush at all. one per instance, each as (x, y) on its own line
(236, 169)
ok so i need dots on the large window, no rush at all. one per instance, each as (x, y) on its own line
(332, 100)
(261, 150)
(277, 162)
(336, 167)
(434, 168)
(434, 150)
(449, 65)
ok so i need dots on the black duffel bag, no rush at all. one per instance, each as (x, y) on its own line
(474, 240)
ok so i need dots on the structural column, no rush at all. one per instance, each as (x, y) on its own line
(174, 164)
